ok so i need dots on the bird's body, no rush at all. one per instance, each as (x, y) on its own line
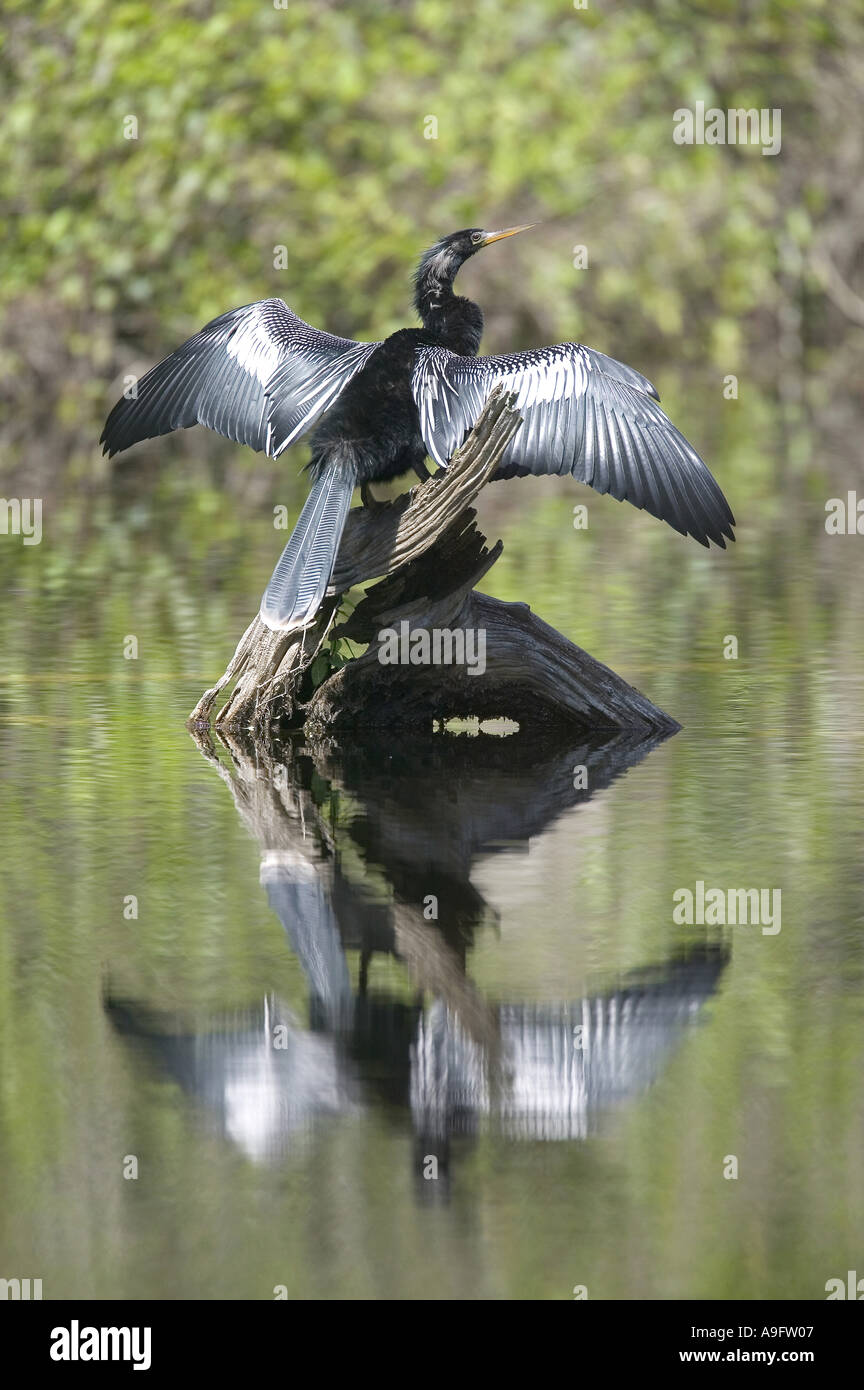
(263, 377)
(376, 416)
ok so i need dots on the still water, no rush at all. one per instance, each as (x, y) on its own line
(240, 1050)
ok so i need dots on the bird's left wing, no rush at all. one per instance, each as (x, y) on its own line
(258, 375)
(583, 413)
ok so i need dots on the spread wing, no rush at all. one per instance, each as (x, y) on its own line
(583, 413)
(258, 375)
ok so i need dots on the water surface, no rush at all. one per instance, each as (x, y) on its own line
(285, 1034)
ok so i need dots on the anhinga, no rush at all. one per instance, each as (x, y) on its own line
(263, 377)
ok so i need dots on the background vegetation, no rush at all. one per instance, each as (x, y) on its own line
(304, 126)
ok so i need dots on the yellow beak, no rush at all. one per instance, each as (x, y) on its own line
(508, 231)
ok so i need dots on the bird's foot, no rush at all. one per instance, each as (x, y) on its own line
(368, 500)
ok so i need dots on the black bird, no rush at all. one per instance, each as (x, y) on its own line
(263, 377)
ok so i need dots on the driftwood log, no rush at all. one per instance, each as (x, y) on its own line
(428, 549)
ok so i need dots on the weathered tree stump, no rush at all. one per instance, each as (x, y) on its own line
(431, 554)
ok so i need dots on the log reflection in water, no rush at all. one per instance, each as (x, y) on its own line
(451, 1058)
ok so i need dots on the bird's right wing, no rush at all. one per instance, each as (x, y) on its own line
(583, 413)
(258, 375)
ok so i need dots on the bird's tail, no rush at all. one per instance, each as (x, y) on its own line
(300, 579)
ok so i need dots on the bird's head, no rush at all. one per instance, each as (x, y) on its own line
(440, 264)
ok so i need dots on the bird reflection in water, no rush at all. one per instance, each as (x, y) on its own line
(450, 1057)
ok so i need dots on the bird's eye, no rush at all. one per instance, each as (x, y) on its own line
(476, 237)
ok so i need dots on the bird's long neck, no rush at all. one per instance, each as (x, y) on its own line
(456, 322)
